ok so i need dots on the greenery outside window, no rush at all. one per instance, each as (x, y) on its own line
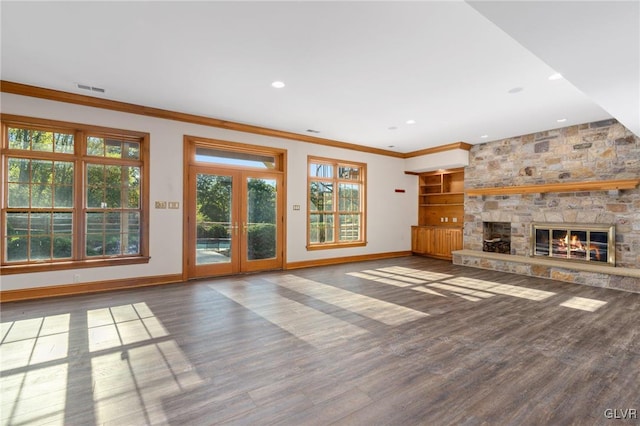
(75, 196)
(336, 212)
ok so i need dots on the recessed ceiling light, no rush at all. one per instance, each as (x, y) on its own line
(393, 128)
(410, 121)
(516, 90)
(313, 131)
(391, 146)
(278, 84)
(484, 136)
(556, 76)
(561, 120)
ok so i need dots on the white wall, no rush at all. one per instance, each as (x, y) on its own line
(439, 160)
(389, 214)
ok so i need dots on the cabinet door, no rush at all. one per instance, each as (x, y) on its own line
(441, 242)
(421, 239)
(456, 239)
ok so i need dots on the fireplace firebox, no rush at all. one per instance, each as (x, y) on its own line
(573, 241)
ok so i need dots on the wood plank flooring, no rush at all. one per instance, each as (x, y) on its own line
(407, 341)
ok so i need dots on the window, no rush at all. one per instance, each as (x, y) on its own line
(336, 203)
(74, 196)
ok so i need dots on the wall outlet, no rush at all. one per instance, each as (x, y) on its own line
(76, 278)
(446, 219)
(455, 219)
(161, 204)
(442, 219)
(174, 204)
(296, 206)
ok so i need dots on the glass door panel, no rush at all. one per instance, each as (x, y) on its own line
(262, 245)
(214, 226)
(213, 218)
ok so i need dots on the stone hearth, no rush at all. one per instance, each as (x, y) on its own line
(598, 151)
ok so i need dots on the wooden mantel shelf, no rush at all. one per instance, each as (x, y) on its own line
(602, 185)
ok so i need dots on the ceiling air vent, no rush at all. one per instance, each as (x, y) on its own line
(313, 131)
(90, 88)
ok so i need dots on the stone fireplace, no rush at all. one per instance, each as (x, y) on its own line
(545, 178)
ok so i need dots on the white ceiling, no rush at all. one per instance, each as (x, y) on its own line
(353, 70)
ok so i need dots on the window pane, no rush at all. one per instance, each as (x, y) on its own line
(131, 150)
(95, 245)
(63, 143)
(113, 197)
(321, 196)
(349, 197)
(63, 196)
(16, 249)
(349, 173)
(95, 223)
(40, 223)
(113, 148)
(248, 159)
(321, 170)
(95, 146)
(19, 170)
(62, 247)
(41, 196)
(321, 228)
(62, 223)
(349, 227)
(19, 139)
(63, 172)
(17, 223)
(40, 248)
(18, 195)
(41, 141)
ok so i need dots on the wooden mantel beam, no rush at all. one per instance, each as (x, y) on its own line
(603, 185)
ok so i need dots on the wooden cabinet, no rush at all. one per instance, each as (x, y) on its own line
(441, 197)
(440, 213)
(436, 241)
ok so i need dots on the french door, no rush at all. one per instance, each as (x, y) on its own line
(234, 220)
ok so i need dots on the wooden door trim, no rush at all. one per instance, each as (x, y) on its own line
(189, 147)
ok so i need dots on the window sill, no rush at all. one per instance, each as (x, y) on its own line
(330, 246)
(76, 264)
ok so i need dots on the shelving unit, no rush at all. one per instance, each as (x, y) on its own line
(441, 197)
(440, 213)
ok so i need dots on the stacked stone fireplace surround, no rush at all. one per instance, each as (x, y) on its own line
(598, 151)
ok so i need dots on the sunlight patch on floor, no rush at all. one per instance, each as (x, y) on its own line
(428, 291)
(135, 381)
(310, 325)
(375, 309)
(584, 304)
(497, 288)
(415, 273)
(475, 294)
(380, 279)
(122, 325)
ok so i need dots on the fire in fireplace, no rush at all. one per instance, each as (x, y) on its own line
(589, 243)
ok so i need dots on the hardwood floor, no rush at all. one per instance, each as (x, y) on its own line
(406, 341)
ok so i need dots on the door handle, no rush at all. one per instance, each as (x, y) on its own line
(244, 228)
